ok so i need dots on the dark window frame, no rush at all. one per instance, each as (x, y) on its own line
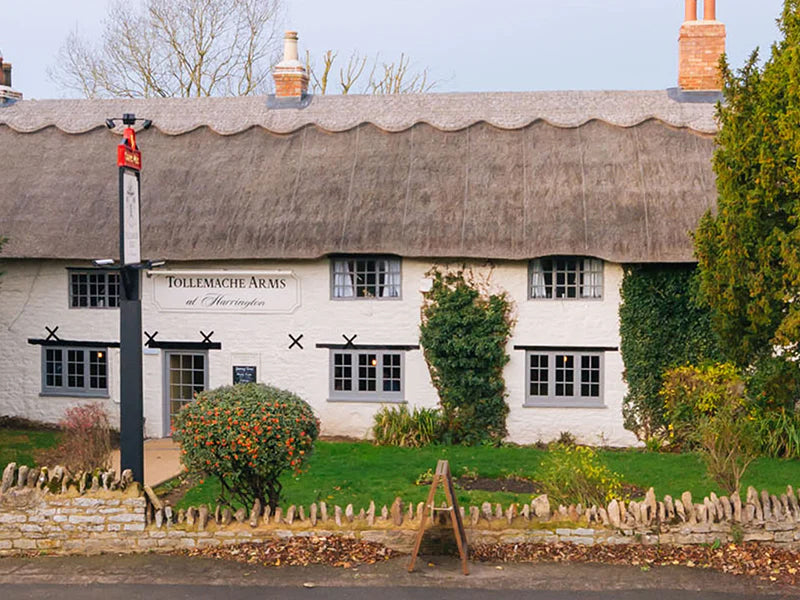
(365, 274)
(108, 299)
(552, 272)
(359, 385)
(59, 381)
(578, 371)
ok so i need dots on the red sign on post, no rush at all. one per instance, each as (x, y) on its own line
(127, 153)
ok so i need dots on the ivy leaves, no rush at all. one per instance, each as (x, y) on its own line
(463, 335)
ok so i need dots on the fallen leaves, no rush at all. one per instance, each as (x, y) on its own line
(755, 560)
(335, 551)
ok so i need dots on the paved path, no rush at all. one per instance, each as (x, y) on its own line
(161, 460)
(154, 576)
(196, 592)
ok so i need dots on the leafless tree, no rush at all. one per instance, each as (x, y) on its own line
(175, 48)
(382, 78)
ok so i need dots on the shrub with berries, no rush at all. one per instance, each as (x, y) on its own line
(247, 435)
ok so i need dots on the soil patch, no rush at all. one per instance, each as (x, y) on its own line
(502, 484)
(518, 485)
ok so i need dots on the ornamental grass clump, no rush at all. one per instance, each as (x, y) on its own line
(401, 427)
(246, 435)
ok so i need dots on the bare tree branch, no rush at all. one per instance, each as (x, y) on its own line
(382, 78)
(175, 48)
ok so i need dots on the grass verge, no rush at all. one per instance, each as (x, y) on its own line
(357, 472)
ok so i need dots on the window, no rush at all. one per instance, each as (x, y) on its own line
(564, 277)
(187, 374)
(93, 288)
(366, 277)
(564, 378)
(371, 375)
(71, 371)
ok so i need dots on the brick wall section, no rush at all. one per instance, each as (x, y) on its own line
(290, 83)
(40, 512)
(700, 45)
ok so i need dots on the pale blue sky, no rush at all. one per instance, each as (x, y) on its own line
(469, 45)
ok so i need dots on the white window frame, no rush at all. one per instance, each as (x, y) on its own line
(589, 275)
(353, 394)
(86, 390)
(104, 300)
(347, 281)
(576, 399)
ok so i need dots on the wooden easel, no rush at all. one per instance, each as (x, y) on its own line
(443, 476)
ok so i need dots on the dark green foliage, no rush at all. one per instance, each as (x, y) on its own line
(749, 252)
(464, 334)
(660, 328)
(246, 435)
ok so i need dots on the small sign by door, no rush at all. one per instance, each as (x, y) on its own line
(244, 374)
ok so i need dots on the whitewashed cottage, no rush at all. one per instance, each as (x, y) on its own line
(298, 231)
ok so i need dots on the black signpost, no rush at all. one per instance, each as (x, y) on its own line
(129, 162)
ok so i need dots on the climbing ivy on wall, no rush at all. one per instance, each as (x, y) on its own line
(464, 333)
(661, 326)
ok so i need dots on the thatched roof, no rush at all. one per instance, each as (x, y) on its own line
(619, 175)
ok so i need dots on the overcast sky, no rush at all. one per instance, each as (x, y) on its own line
(468, 45)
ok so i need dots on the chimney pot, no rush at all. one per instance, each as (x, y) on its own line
(691, 10)
(709, 10)
(291, 79)
(7, 95)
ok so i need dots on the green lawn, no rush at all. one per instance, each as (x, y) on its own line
(342, 473)
(18, 445)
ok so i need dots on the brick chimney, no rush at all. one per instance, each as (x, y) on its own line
(7, 95)
(700, 45)
(291, 79)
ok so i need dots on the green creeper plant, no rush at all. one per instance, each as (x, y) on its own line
(464, 333)
(749, 251)
(247, 435)
(660, 327)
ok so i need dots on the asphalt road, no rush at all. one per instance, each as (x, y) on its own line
(156, 576)
(194, 592)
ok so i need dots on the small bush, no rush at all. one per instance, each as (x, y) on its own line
(690, 392)
(577, 474)
(247, 435)
(399, 427)
(728, 442)
(85, 443)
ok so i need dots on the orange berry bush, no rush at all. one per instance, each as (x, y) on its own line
(246, 435)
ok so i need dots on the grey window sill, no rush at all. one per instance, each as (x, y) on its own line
(368, 400)
(564, 404)
(72, 394)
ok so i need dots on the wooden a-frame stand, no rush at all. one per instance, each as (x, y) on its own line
(442, 475)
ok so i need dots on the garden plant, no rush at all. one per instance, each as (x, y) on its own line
(246, 435)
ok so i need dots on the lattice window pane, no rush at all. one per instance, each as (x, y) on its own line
(367, 372)
(94, 289)
(366, 277)
(54, 367)
(98, 370)
(565, 375)
(538, 376)
(590, 376)
(391, 373)
(342, 372)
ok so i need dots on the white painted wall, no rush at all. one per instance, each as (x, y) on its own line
(34, 294)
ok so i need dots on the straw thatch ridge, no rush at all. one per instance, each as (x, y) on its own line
(625, 194)
(392, 113)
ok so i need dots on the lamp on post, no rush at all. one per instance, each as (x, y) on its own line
(129, 162)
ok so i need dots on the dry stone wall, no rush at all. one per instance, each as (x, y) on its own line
(44, 510)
